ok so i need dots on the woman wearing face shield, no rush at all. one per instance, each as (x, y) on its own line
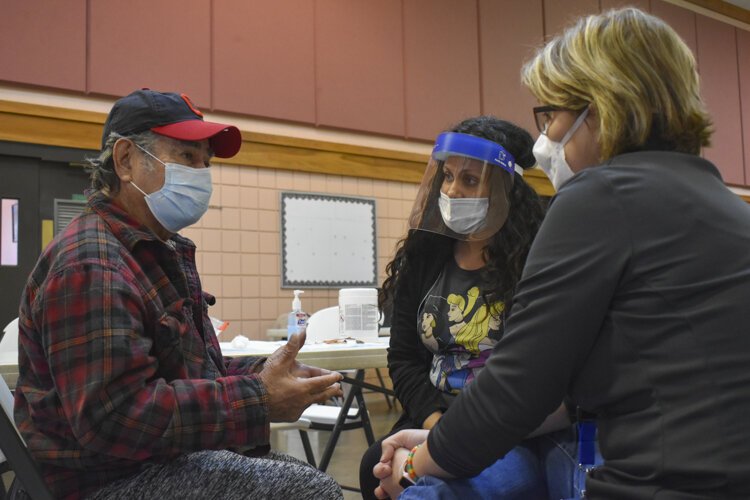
(633, 301)
(450, 285)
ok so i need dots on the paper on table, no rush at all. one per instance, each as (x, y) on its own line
(267, 347)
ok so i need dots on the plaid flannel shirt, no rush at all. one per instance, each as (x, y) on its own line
(119, 364)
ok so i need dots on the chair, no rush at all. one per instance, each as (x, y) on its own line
(335, 419)
(315, 417)
(9, 339)
(6, 401)
(28, 479)
(302, 425)
(278, 330)
(325, 417)
(323, 325)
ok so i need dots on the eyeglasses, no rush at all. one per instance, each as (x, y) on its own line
(543, 116)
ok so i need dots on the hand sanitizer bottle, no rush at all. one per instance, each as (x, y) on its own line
(297, 318)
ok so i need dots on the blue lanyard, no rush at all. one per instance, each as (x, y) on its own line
(586, 442)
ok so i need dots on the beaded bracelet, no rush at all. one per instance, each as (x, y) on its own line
(409, 465)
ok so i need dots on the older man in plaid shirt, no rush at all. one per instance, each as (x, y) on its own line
(123, 391)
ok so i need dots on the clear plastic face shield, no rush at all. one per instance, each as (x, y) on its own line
(465, 189)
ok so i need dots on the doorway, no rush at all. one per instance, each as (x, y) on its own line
(31, 177)
(20, 186)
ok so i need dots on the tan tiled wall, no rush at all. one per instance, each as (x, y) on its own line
(239, 240)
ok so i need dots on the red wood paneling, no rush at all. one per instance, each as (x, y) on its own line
(720, 87)
(682, 20)
(743, 56)
(560, 15)
(43, 43)
(264, 58)
(360, 65)
(162, 45)
(644, 5)
(511, 31)
(441, 61)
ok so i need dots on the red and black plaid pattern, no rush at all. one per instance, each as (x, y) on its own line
(118, 362)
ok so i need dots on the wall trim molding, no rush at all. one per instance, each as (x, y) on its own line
(71, 128)
(65, 127)
(718, 9)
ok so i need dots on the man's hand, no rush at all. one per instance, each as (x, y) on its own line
(291, 386)
(304, 371)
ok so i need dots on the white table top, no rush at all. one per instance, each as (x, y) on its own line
(330, 356)
(281, 333)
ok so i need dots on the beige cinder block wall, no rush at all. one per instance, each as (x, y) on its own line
(239, 241)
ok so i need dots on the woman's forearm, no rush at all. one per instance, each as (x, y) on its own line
(430, 421)
(424, 465)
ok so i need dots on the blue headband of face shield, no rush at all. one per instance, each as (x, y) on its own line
(456, 144)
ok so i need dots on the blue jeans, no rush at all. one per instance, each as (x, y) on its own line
(540, 468)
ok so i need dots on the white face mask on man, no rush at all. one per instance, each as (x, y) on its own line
(184, 197)
(550, 155)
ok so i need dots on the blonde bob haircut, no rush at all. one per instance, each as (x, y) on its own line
(635, 71)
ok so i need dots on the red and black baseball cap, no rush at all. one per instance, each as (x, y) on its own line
(171, 115)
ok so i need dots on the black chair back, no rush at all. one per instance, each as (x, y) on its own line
(18, 456)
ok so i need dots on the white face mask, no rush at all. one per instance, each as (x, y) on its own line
(550, 155)
(184, 197)
(463, 215)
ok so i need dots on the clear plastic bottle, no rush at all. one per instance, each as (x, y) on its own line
(297, 320)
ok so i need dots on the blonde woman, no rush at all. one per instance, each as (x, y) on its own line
(633, 298)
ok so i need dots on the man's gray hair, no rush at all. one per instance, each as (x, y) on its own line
(102, 168)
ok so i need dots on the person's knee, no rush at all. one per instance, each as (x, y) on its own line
(300, 482)
(370, 457)
(368, 482)
(323, 486)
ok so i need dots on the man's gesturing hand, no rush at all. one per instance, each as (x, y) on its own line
(288, 394)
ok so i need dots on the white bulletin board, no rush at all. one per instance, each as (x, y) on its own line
(327, 241)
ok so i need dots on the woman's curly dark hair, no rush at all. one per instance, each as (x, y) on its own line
(506, 252)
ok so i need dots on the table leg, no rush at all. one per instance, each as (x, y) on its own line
(382, 384)
(338, 426)
(364, 415)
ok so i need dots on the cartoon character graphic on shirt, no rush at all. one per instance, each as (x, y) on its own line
(473, 328)
(431, 326)
(477, 335)
(427, 331)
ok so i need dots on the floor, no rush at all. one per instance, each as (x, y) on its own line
(344, 466)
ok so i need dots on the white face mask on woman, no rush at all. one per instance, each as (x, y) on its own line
(550, 155)
(463, 215)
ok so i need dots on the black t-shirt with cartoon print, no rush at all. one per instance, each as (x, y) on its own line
(458, 327)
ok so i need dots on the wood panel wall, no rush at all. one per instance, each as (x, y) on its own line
(403, 68)
(54, 126)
